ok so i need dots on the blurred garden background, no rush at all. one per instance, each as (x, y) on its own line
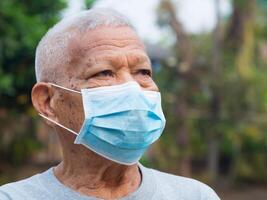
(213, 80)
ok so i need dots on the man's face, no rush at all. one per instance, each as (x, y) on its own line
(103, 57)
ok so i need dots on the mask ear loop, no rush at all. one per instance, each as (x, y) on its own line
(58, 86)
(72, 131)
(70, 90)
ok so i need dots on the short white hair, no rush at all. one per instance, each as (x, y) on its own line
(51, 51)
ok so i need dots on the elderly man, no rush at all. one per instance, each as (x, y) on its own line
(94, 86)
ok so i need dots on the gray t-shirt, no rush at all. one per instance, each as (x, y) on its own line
(155, 185)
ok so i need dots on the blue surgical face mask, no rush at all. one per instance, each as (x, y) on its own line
(121, 121)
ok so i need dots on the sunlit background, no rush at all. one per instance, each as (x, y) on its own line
(209, 59)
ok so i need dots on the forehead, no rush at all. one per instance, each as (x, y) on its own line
(104, 38)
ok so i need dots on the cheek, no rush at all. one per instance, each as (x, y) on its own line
(146, 82)
(70, 111)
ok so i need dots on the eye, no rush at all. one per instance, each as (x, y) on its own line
(145, 72)
(104, 73)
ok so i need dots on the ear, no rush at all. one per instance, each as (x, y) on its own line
(42, 94)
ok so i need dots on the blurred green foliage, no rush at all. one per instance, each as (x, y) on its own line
(22, 24)
(89, 3)
(227, 107)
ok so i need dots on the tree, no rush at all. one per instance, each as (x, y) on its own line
(185, 55)
(214, 93)
(22, 24)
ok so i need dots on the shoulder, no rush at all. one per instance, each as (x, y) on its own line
(185, 188)
(23, 189)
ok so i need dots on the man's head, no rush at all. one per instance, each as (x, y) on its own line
(95, 48)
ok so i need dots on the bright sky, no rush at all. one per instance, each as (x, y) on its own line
(196, 15)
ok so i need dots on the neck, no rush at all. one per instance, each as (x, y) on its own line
(89, 174)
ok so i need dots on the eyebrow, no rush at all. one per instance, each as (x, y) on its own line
(139, 58)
